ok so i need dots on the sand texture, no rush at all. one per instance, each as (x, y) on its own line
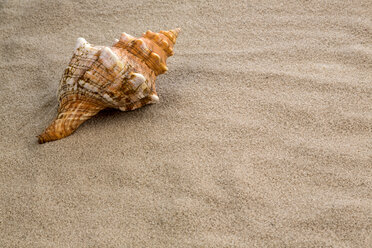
(262, 136)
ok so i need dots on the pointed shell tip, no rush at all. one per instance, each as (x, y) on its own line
(80, 42)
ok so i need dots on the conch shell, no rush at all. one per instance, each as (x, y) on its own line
(98, 77)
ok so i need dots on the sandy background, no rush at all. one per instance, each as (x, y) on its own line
(262, 137)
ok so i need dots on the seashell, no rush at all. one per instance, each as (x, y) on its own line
(98, 77)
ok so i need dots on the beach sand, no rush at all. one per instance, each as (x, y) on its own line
(262, 136)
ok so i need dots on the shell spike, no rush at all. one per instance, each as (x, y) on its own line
(108, 58)
(81, 42)
(125, 38)
(149, 34)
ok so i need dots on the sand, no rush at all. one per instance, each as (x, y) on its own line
(262, 137)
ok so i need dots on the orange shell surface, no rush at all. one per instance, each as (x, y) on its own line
(98, 77)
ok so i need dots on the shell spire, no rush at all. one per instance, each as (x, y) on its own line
(153, 48)
(172, 34)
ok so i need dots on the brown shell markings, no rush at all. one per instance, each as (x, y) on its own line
(98, 77)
